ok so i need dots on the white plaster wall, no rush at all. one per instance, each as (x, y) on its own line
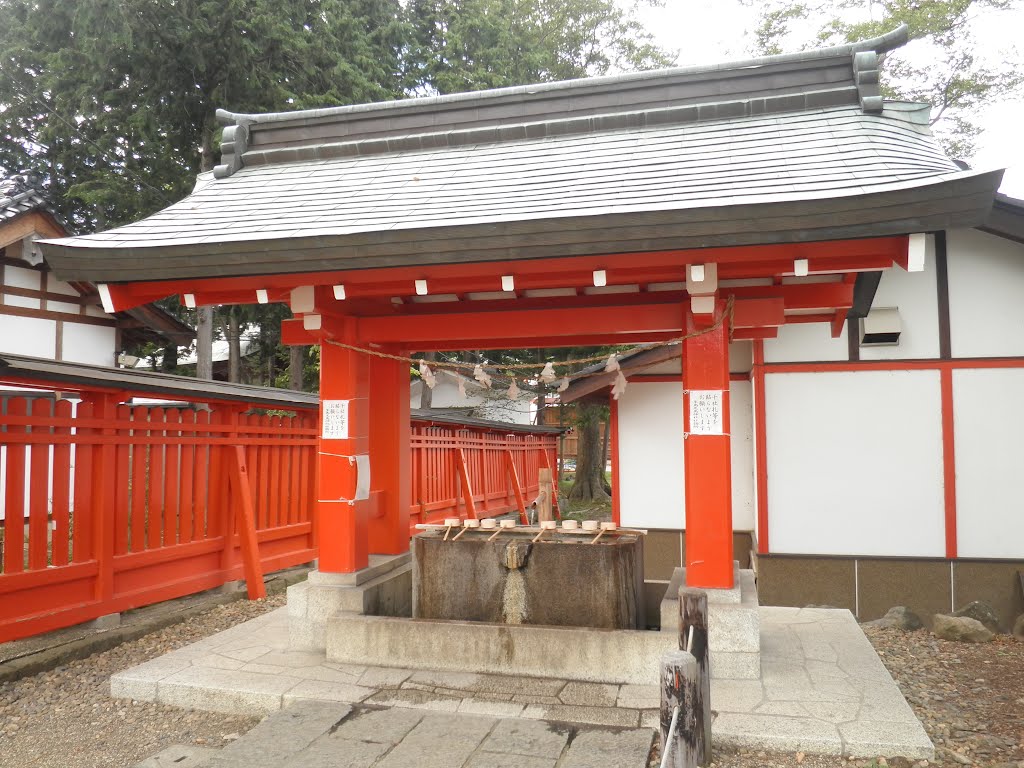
(61, 306)
(651, 470)
(21, 301)
(19, 277)
(806, 342)
(33, 336)
(986, 283)
(92, 344)
(59, 286)
(988, 429)
(855, 463)
(914, 294)
(741, 427)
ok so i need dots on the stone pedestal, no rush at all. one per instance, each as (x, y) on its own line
(384, 588)
(734, 626)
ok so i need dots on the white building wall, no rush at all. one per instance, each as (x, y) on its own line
(855, 463)
(986, 286)
(914, 294)
(988, 429)
(650, 455)
(806, 342)
(91, 344)
(32, 336)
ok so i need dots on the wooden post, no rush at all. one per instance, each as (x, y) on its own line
(693, 615)
(544, 497)
(678, 689)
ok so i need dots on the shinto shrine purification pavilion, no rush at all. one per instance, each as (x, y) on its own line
(741, 198)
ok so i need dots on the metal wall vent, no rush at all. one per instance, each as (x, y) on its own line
(881, 328)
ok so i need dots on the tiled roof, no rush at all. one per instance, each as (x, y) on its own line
(19, 194)
(781, 149)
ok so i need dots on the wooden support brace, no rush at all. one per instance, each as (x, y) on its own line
(239, 477)
(554, 487)
(545, 496)
(517, 489)
(693, 638)
(467, 489)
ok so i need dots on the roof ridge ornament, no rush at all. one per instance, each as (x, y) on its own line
(866, 75)
(234, 141)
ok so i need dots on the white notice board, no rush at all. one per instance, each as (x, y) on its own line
(706, 412)
(335, 425)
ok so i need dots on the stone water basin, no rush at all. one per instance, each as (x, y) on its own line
(562, 580)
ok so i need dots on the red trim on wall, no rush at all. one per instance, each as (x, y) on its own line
(896, 365)
(613, 420)
(760, 448)
(948, 460)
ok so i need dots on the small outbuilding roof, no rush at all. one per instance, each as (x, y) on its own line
(779, 149)
(1006, 218)
(19, 194)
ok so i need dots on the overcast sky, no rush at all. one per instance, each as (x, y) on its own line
(708, 31)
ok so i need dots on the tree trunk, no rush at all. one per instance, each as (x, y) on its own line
(169, 363)
(588, 484)
(204, 343)
(604, 452)
(426, 393)
(234, 335)
(204, 315)
(296, 367)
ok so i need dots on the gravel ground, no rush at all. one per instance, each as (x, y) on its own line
(65, 718)
(969, 697)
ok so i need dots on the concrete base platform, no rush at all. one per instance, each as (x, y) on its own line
(734, 629)
(383, 589)
(822, 688)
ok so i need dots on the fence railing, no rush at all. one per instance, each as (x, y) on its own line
(488, 461)
(108, 506)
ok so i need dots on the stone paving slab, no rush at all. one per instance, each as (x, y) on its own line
(822, 688)
(324, 735)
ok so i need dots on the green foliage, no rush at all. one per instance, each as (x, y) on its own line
(112, 102)
(468, 45)
(945, 64)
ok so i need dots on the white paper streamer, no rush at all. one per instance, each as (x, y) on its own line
(462, 388)
(563, 384)
(548, 374)
(612, 364)
(619, 386)
(428, 375)
(481, 375)
(513, 391)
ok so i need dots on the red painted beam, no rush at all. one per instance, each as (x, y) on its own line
(755, 333)
(527, 326)
(825, 296)
(758, 313)
(622, 268)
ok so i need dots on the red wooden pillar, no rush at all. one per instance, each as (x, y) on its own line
(709, 558)
(390, 454)
(344, 435)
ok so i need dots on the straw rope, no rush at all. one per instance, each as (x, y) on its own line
(457, 365)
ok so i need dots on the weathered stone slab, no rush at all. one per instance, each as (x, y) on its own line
(179, 756)
(600, 749)
(285, 733)
(527, 737)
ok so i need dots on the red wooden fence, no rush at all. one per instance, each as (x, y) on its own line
(445, 456)
(108, 506)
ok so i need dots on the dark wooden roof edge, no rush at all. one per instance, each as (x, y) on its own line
(1006, 218)
(881, 44)
(633, 361)
(162, 323)
(27, 370)
(961, 199)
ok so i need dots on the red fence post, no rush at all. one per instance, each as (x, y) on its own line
(104, 490)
